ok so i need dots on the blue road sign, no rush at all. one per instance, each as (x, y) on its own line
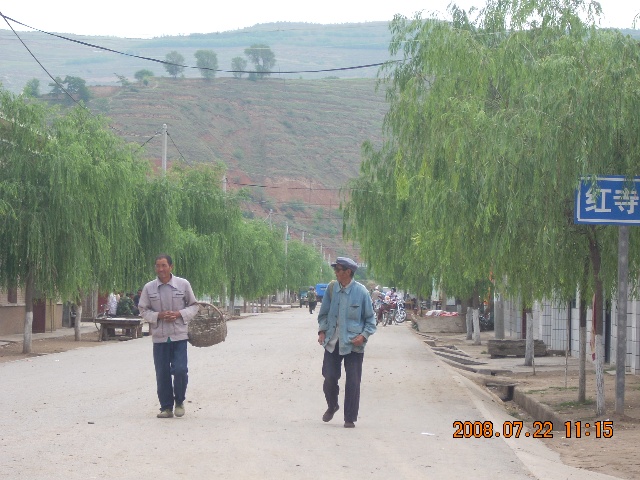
(612, 200)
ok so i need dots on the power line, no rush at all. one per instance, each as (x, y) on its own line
(56, 81)
(275, 186)
(179, 152)
(324, 70)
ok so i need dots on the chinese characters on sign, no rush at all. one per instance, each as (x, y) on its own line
(610, 200)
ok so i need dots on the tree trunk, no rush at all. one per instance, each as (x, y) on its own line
(78, 322)
(28, 316)
(469, 323)
(498, 318)
(528, 350)
(476, 317)
(596, 261)
(476, 326)
(582, 351)
(567, 348)
(232, 297)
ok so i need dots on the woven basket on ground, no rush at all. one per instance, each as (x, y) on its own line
(208, 327)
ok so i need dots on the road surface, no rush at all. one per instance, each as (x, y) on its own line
(254, 408)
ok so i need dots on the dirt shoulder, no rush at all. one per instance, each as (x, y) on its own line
(13, 350)
(558, 391)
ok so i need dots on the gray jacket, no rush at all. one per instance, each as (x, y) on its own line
(176, 294)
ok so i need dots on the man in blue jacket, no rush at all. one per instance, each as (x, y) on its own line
(345, 322)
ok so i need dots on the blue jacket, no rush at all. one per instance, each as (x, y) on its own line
(359, 319)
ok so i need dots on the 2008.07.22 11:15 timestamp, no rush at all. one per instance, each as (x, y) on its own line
(541, 429)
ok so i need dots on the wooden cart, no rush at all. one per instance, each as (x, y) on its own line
(109, 326)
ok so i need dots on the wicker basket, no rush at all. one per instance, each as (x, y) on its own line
(208, 327)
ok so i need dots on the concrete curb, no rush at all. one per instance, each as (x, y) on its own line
(537, 410)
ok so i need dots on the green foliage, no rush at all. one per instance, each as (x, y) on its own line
(491, 124)
(70, 185)
(143, 75)
(122, 80)
(32, 88)
(303, 264)
(207, 62)
(262, 58)
(256, 261)
(175, 63)
(77, 87)
(238, 66)
(57, 87)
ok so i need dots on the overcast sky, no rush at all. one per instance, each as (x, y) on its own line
(145, 19)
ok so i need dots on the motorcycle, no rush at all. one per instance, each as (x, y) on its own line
(394, 312)
(486, 322)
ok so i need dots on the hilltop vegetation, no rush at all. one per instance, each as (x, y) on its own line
(298, 47)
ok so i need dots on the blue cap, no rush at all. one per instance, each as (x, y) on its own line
(347, 263)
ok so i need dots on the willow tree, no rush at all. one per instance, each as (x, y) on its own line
(494, 117)
(303, 264)
(71, 187)
(257, 263)
(377, 216)
(207, 219)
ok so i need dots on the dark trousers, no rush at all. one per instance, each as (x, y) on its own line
(312, 306)
(170, 359)
(331, 371)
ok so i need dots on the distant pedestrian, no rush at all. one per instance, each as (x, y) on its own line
(168, 304)
(345, 322)
(312, 299)
(112, 304)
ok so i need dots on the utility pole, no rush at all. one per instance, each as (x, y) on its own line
(164, 148)
(286, 260)
(224, 287)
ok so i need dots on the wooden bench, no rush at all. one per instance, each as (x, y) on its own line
(131, 326)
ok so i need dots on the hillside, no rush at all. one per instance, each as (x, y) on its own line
(291, 140)
(290, 143)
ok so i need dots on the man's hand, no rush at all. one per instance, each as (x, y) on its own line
(321, 336)
(359, 340)
(169, 315)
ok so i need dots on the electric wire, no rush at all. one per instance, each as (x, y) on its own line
(80, 104)
(157, 133)
(164, 62)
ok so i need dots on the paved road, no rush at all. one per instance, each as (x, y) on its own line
(254, 408)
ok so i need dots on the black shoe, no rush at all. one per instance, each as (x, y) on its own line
(349, 425)
(328, 415)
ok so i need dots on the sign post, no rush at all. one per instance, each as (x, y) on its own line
(613, 200)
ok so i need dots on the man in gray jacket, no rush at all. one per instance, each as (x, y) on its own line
(345, 322)
(168, 304)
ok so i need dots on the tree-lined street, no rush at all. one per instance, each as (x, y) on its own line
(254, 407)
